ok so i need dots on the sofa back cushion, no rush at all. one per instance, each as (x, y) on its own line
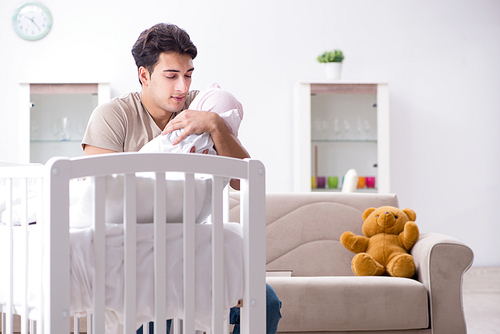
(303, 229)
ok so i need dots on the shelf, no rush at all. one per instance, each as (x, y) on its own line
(343, 140)
(352, 88)
(326, 116)
(52, 111)
(64, 89)
(361, 190)
(57, 141)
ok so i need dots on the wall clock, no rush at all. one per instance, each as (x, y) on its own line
(32, 20)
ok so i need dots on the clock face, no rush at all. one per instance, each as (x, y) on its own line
(32, 21)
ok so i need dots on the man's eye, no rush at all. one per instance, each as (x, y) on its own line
(171, 77)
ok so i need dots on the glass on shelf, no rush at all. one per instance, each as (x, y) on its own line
(336, 128)
(347, 128)
(61, 128)
(326, 128)
(34, 130)
(320, 129)
(367, 128)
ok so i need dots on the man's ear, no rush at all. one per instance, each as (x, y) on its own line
(144, 75)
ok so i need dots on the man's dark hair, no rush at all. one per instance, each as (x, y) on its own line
(161, 38)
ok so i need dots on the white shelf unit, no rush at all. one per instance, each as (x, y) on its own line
(53, 118)
(348, 122)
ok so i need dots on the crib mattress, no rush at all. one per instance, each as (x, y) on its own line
(83, 267)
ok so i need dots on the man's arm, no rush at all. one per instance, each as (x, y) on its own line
(91, 150)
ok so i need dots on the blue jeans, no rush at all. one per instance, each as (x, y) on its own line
(273, 315)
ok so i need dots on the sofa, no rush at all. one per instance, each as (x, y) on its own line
(318, 289)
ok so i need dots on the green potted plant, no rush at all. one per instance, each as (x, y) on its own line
(333, 63)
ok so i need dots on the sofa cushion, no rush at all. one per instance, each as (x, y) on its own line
(351, 303)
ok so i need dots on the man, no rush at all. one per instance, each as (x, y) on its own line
(164, 57)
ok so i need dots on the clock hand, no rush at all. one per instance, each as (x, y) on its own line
(33, 21)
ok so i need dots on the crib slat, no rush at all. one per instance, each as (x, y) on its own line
(99, 292)
(217, 255)
(90, 329)
(130, 238)
(38, 325)
(76, 325)
(33, 327)
(226, 203)
(24, 255)
(253, 312)
(160, 217)
(10, 253)
(189, 254)
(176, 325)
(56, 274)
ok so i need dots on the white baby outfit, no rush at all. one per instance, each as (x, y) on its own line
(211, 99)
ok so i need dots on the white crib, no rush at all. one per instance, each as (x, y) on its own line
(51, 185)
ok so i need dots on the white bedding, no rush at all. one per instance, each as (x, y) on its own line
(81, 200)
(83, 267)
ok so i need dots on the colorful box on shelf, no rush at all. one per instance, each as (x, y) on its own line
(366, 182)
(320, 182)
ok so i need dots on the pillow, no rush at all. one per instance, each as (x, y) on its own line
(81, 209)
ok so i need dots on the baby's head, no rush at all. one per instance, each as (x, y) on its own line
(217, 100)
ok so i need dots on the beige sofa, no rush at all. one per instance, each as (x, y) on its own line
(323, 295)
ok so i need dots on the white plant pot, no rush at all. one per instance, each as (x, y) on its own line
(333, 70)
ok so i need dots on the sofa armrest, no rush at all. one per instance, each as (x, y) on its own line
(440, 264)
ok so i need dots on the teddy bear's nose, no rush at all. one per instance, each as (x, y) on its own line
(387, 220)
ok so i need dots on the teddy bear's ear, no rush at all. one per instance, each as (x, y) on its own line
(411, 214)
(367, 212)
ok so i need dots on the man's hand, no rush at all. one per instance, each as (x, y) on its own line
(193, 121)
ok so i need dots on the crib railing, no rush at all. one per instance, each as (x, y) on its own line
(17, 175)
(53, 181)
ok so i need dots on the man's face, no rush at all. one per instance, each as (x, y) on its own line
(167, 87)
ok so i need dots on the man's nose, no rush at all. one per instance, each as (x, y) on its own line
(181, 85)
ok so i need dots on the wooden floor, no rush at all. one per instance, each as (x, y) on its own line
(481, 296)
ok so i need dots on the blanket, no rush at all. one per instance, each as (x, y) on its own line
(83, 268)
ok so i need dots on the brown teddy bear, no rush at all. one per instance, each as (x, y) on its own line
(390, 233)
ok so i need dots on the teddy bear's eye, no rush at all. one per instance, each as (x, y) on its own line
(377, 216)
(396, 217)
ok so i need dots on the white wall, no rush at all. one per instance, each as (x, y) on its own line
(439, 57)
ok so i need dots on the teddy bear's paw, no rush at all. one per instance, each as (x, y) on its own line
(365, 265)
(401, 266)
(411, 232)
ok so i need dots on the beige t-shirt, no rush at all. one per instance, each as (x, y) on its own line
(123, 124)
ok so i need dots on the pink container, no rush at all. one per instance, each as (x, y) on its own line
(370, 181)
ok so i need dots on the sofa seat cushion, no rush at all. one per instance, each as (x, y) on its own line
(339, 303)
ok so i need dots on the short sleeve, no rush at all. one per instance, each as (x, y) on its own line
(106, 128)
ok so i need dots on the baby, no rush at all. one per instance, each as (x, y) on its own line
(212, 99)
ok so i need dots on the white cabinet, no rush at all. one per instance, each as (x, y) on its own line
(339, 126)
(54, 117)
